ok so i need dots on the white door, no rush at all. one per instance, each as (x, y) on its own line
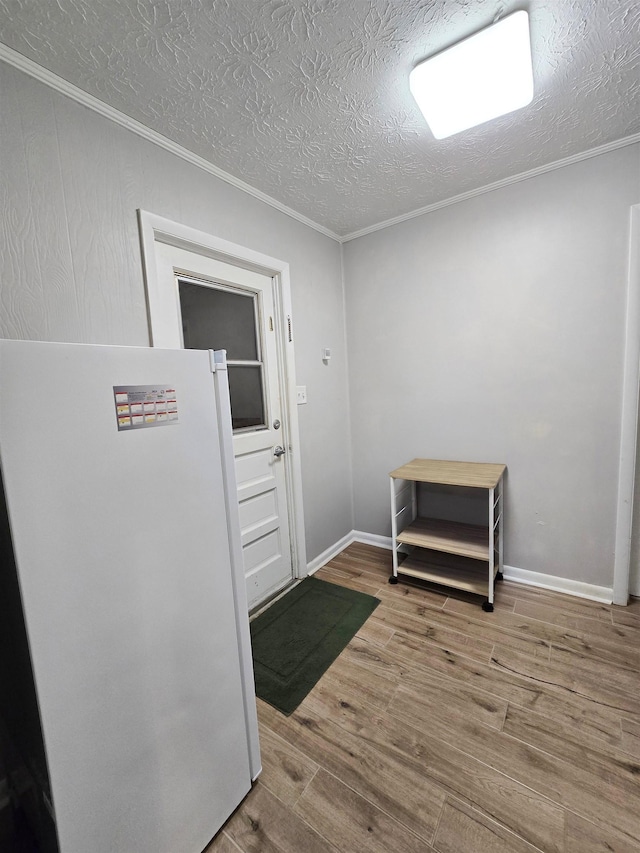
(223, 306)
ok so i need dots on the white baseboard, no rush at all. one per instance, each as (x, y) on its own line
(580, 589)
(371, 539)
(322, 559)
(355, 536)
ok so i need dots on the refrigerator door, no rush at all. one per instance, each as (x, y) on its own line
(122, 550)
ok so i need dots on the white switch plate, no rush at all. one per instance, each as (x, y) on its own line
(301, 393)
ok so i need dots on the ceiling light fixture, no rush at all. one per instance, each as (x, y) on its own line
(485, 76)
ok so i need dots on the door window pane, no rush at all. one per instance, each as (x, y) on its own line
(218, 319)
(213, 318)
(245, 390)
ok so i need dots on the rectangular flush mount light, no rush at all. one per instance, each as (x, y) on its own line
(478, 79)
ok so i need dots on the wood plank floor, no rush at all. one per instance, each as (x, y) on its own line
(444, 728)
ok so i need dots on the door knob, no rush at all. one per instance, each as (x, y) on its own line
(279, 451)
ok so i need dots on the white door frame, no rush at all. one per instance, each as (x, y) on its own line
(629, 418)
(165, 318)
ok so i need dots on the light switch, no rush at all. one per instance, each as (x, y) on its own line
(301, 392)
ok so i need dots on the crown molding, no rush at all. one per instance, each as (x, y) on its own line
(505, 182)
(28, 66)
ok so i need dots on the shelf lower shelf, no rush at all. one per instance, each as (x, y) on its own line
(452, 554)
(466, 576)
(451, 537)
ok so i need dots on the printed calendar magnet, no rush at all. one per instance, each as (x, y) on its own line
(143, 406)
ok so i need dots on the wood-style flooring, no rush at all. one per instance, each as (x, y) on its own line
(444, 728)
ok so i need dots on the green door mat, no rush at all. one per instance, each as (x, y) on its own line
(297, 639)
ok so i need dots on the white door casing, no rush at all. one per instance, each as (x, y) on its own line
(626, 568)
(269, 487)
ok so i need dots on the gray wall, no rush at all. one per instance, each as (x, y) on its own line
(492, 330)
(71, 265)
(489, 330)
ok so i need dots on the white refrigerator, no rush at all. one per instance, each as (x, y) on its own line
(125, 635)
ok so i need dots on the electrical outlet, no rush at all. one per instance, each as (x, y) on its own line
(301, 394)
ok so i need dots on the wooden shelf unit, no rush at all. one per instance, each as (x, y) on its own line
(450, 553)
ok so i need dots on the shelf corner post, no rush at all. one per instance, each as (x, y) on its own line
(492, 533)
(394, 528)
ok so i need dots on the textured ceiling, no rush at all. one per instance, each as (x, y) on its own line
(308, 100)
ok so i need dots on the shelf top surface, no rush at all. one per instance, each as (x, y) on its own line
(481, 475)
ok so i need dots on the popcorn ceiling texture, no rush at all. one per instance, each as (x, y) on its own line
(308, 100)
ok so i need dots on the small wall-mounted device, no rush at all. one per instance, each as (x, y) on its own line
(326, 355)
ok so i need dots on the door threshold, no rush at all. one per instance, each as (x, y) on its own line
(264, 605)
